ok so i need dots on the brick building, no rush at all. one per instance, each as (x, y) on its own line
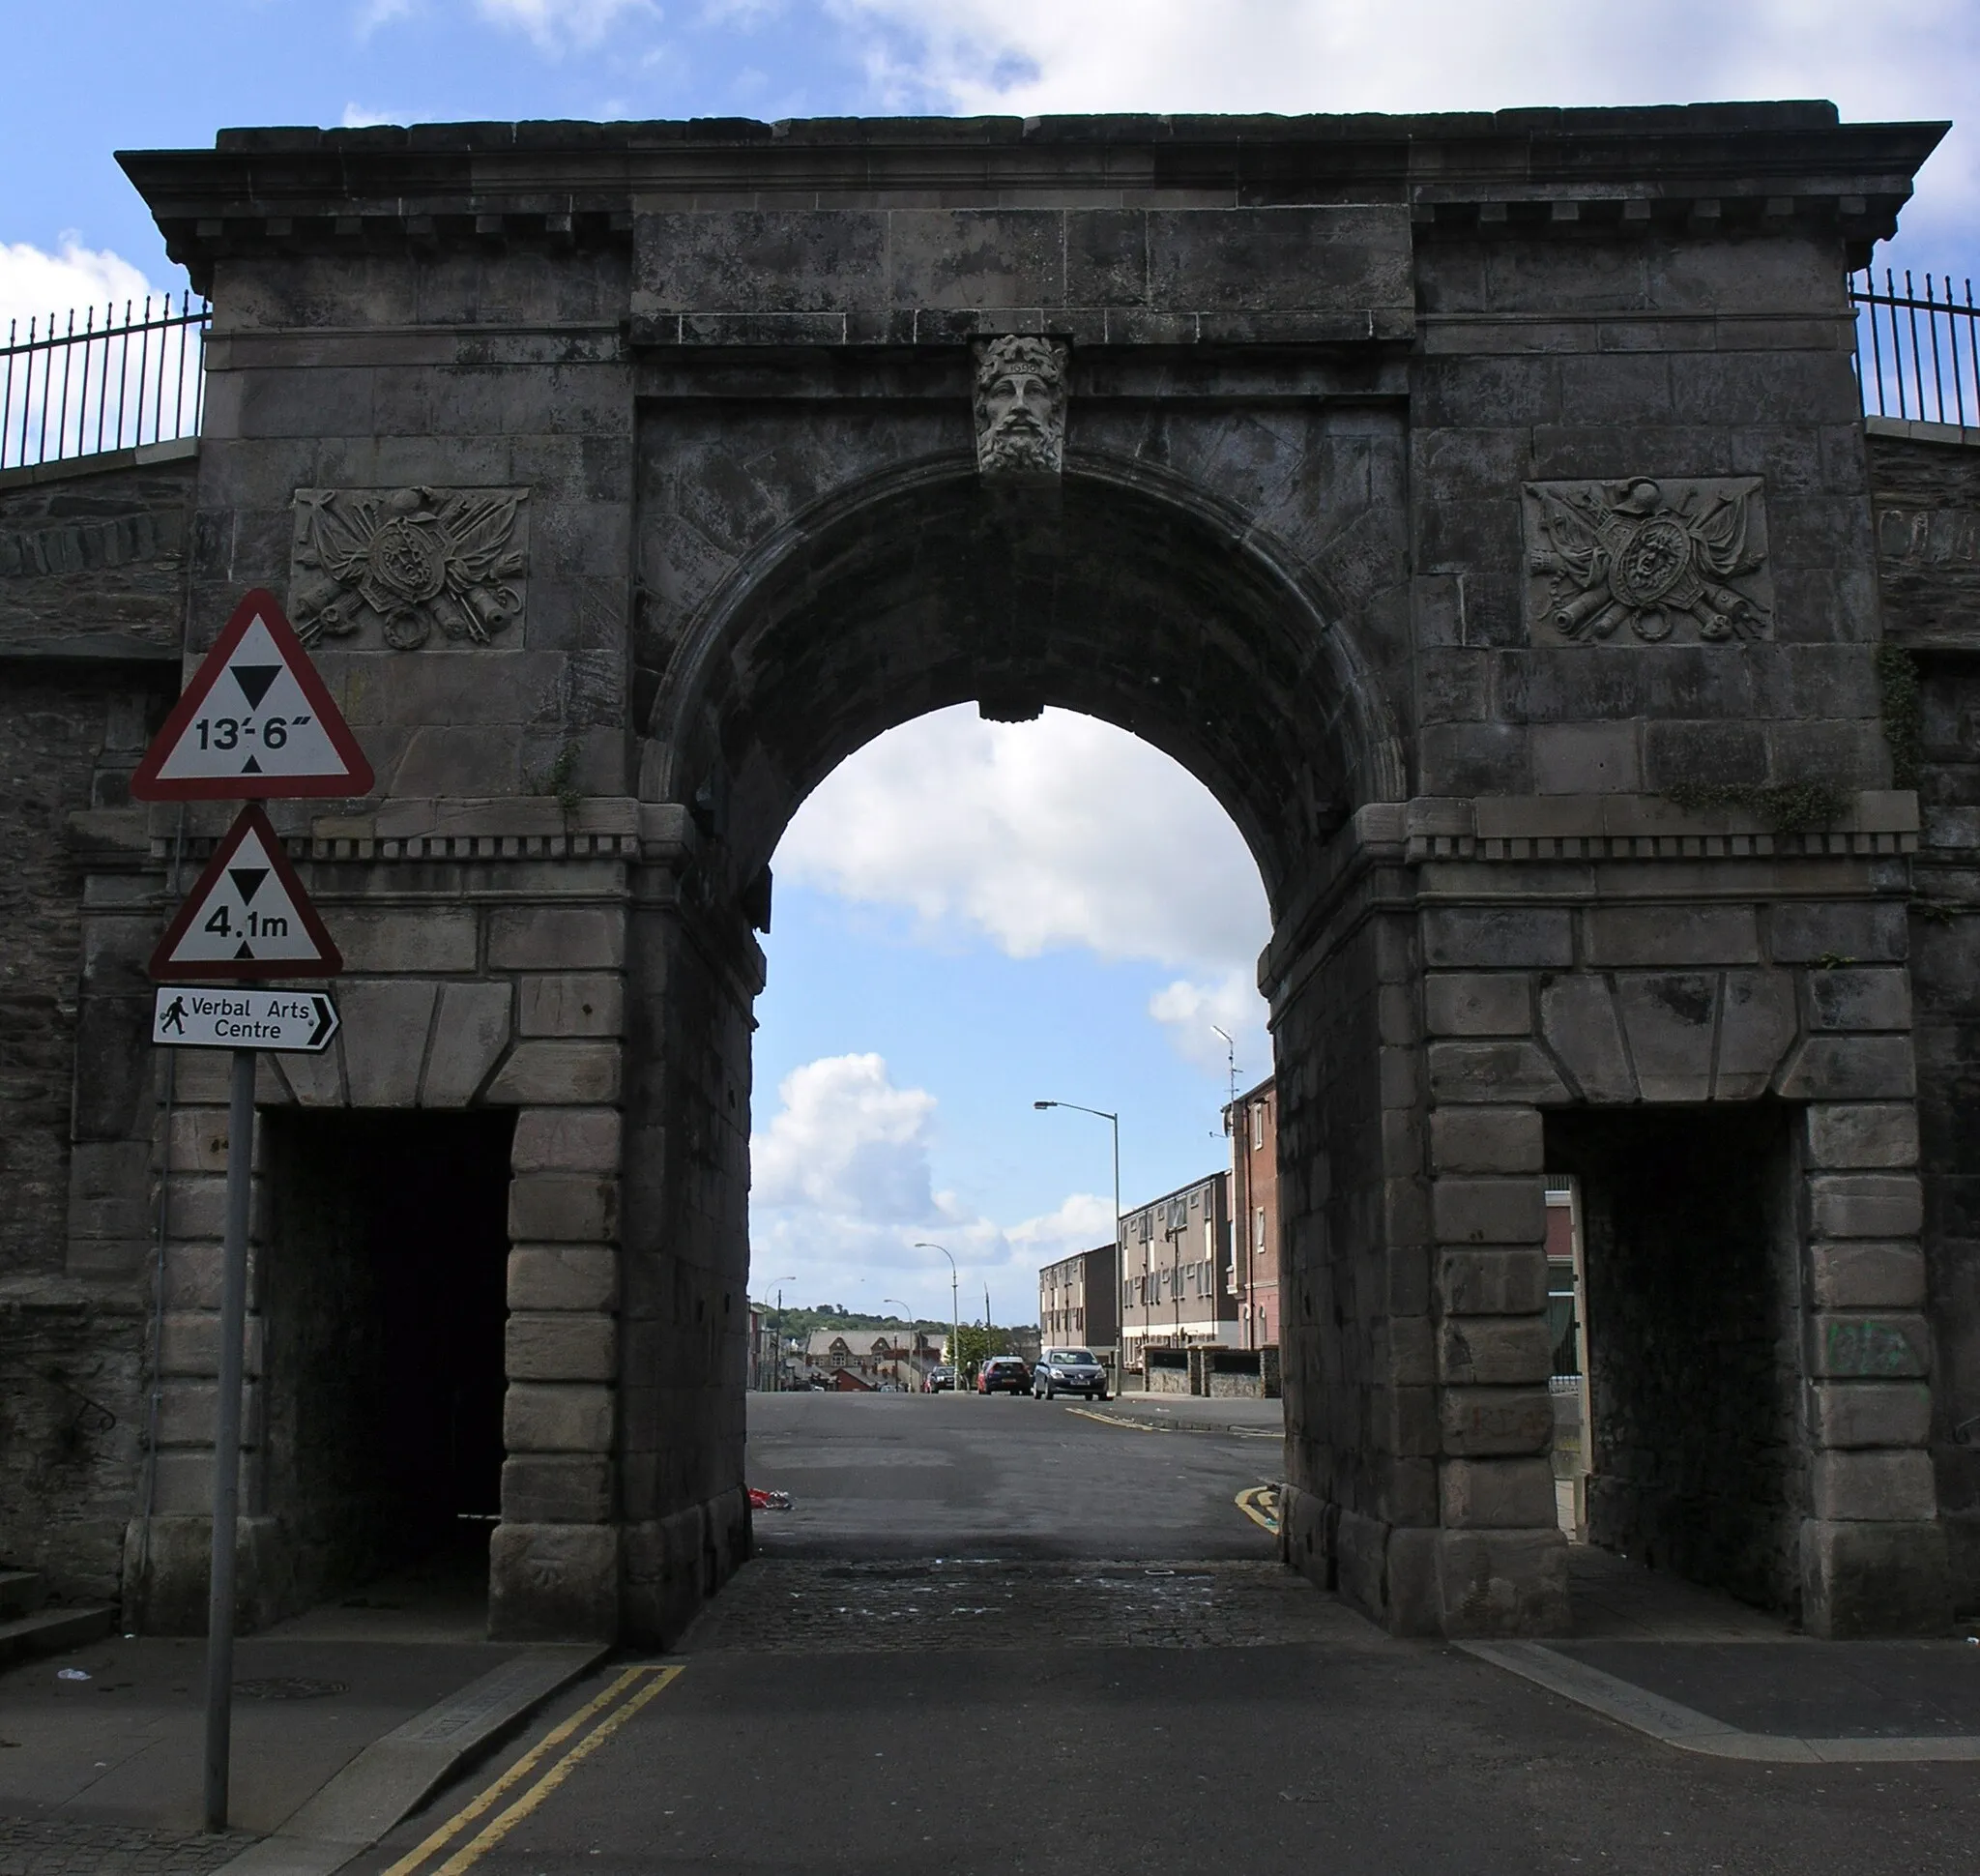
(1175, 1273)
(1079, 1301)
(1252, 1122)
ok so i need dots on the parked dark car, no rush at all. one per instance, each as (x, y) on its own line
(1003, 1374)
(1068, 1371)
(938, 1381)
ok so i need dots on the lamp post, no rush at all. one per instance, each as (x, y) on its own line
(955, 1320)
(1119, 1248)
(777, 1373)
(910, 1326)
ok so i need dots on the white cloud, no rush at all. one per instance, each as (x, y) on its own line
(1054, 832)
(1193, 1013)
(1875, 58)
(360, 117)
(375, 14)
(33, 283)
(556, 26)
(846, 1141)
(842, 1188)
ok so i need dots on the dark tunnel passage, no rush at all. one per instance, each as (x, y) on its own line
(384, 1302)
(1689, 1245)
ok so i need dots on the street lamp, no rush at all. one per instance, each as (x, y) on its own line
(777, 1373)
(1119, 1248)
(955, 1320)
(911, 1325)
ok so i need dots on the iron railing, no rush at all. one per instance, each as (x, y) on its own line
(1917, 353)
(111, 382)
(141, 376)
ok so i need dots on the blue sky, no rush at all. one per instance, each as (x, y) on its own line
(933, 975)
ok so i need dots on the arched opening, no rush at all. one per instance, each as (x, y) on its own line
(1123, 598)
(1113, 595)
(970, 916)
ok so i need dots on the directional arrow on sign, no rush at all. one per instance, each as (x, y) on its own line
(256, 721)
(247, 915)
(198, 1016)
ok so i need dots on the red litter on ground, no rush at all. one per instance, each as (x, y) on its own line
(762, 1501)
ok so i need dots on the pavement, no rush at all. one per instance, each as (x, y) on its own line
(1008, 1635)
(1257, 1420)
(344, 1720)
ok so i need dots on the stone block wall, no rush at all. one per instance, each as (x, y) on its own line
(394, 390)
(1579, 364)
(696, 972)
(1927, 507)
(92, 573)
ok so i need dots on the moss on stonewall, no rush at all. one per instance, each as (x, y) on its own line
(1787, 807)
(1903, 729)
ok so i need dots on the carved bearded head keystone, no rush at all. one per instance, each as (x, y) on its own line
(1020, 407)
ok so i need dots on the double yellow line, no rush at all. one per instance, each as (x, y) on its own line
(603, 1716)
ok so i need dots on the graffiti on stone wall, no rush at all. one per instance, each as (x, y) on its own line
(401, 564)
(1020, 405)
(1651, 561)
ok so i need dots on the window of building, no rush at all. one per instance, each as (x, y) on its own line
(1257, 1124)
(1258, 1228)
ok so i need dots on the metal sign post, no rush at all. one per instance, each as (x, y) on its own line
(255, 723)
(226, 1436)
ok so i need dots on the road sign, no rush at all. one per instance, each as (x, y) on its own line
(194, 1016)
(248, 915)
(255, 723)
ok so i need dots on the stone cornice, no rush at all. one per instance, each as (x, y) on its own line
(506, 827)
(1407, 837)
(1554, 172)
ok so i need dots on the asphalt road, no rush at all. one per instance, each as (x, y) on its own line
(1002, 1475)
(956, 1656)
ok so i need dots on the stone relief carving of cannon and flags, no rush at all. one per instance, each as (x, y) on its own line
(1649, 555)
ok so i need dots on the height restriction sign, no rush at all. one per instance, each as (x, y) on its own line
(256, 721)
(248, 915)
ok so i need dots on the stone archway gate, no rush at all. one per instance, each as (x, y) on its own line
(1479, 504)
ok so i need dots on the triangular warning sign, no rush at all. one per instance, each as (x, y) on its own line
(247, 915)
(255, 723)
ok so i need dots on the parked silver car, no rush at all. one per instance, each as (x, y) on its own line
(1068, 1371)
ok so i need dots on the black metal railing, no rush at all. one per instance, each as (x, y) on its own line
(103, 381)
(1917, 352)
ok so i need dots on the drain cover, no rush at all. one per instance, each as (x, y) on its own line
(290, 1686)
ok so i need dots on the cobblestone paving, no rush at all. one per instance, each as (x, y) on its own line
(783, 1605)
(58, 1847)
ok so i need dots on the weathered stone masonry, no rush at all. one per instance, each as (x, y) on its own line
(1479, 506)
